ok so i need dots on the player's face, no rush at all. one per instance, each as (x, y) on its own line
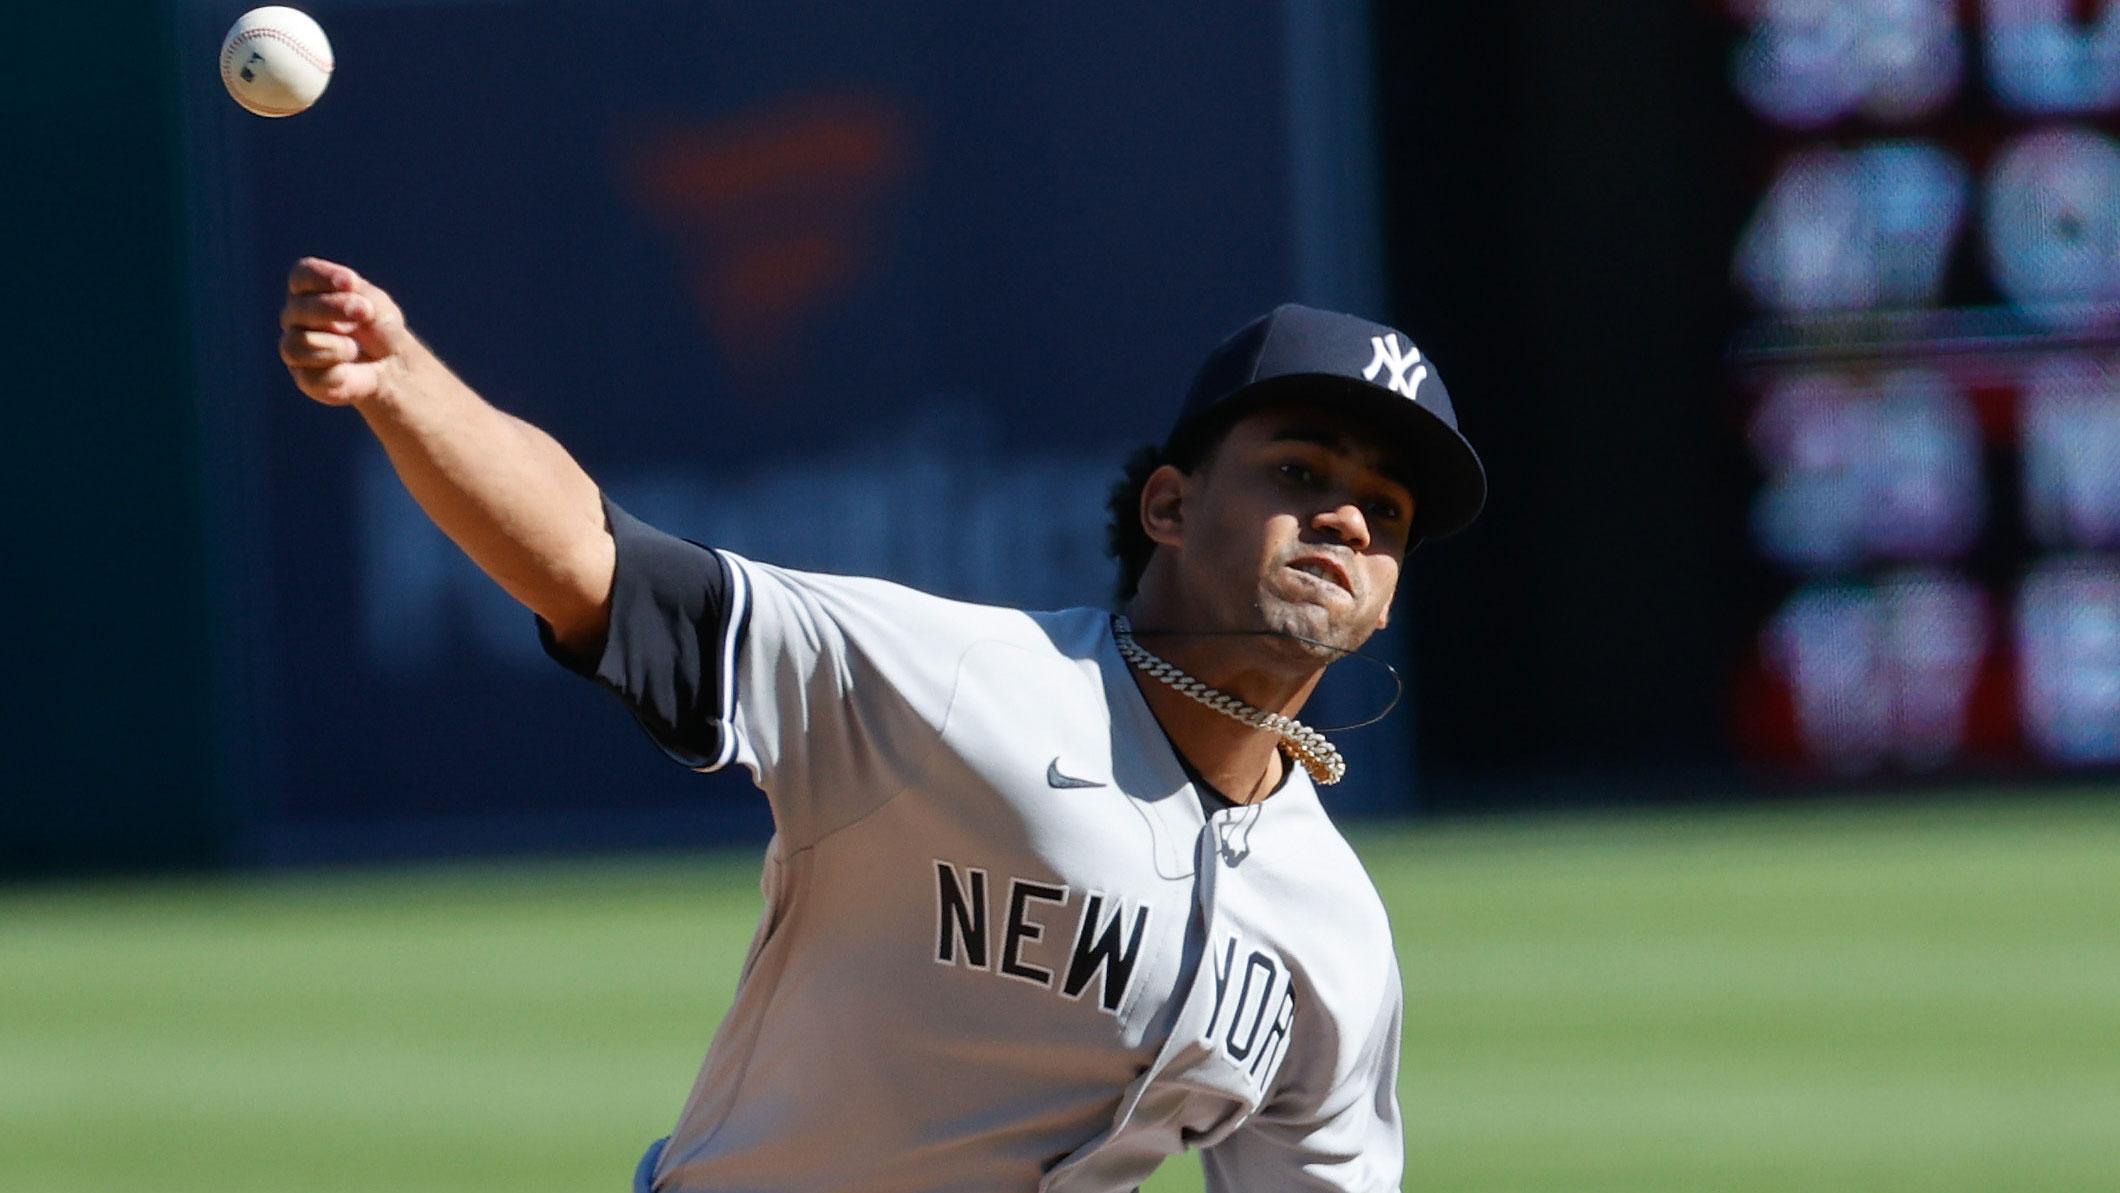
(1297, 525)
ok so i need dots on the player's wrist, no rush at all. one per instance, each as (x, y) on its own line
(394, 389)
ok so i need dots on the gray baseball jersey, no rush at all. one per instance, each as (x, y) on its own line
(1007, 945)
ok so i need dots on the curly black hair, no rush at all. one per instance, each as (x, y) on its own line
(1124, 537)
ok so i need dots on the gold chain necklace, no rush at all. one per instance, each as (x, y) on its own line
(1301, 743)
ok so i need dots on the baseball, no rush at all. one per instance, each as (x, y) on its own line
(275, 61)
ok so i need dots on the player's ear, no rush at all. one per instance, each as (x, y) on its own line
(1163, 506)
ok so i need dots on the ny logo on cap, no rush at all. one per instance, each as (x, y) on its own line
(1405, 378)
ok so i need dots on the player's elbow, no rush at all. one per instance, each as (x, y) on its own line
(576, 600)
(578, 628)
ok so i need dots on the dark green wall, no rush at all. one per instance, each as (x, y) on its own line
(107, 725)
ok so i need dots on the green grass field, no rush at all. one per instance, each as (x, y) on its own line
(1872, 1000)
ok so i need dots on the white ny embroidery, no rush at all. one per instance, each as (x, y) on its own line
(1399, 361)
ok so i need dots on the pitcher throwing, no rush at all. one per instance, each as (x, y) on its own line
(1050, 896)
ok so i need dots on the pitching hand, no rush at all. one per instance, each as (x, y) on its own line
(342, 338)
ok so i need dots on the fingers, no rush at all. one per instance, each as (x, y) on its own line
(338, 311)
(335, 327)
(335, 385)
(314, 275)
(303, 349)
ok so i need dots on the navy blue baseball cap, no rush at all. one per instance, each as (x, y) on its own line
(1301, 354)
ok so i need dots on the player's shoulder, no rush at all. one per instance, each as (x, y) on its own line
(888, 608)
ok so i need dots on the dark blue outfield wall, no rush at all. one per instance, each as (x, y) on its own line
(887, 289)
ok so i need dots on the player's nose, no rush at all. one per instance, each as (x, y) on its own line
(1346, 523)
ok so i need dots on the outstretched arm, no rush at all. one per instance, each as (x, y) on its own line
(504, 491)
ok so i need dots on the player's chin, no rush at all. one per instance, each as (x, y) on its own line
(1310, 629)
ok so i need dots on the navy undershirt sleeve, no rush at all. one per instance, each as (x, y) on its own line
(662, 654)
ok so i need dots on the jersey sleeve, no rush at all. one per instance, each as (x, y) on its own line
(676, 615)
(1350, 1141)
(831, 690)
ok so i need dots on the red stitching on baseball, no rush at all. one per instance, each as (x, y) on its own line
(279, 35)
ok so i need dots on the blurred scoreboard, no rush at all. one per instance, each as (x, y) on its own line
(1927, 375)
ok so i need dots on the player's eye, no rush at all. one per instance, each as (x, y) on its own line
(1297, 472)
(1384, 510)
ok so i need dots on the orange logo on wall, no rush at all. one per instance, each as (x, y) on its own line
(777, 210)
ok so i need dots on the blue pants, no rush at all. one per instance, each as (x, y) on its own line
(644, 1172)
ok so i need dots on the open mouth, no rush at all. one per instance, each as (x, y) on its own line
(1323, 570)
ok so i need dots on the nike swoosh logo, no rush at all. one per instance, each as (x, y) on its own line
(1054, 777)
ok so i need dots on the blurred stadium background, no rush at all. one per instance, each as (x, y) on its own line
(1751, 821)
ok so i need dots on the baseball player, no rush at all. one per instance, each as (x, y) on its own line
(1050, 896)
